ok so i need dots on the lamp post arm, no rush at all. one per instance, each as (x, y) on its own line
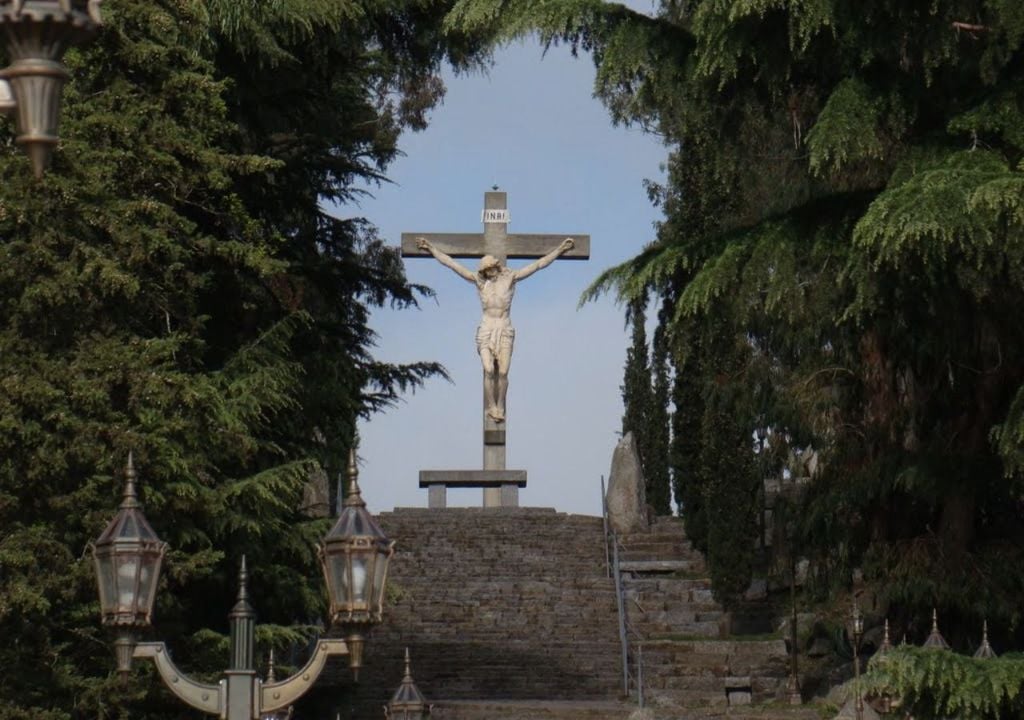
(275, 696)
(201, 696)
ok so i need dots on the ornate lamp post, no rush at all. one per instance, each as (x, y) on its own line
(858, 631)
(128, 556)
(36, 35)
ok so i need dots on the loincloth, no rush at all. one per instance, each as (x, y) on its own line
(495, 338)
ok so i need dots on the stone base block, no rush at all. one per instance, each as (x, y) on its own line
(501, 487)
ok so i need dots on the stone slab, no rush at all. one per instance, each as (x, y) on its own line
(472, 478)
(656, 566)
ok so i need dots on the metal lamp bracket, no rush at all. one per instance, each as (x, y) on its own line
(278, 695)
(201, 696)
(210, 698)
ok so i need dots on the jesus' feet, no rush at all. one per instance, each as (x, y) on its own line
(496, 414)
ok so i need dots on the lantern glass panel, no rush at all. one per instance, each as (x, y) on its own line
(108, 588)
(380, 566)
(337, 567)
(147, 580)
(359, 580)
(127, 579)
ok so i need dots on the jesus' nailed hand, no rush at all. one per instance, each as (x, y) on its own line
(496, 285)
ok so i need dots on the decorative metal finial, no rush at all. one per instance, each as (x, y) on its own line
(494, 188)
(243, 582)
(408, 664)
(985, 651)
(270, 667)
(130, 497)
(354, 497)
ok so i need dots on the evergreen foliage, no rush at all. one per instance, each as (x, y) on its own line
(932, 684)
(175, 287)
(659, 490)
(843, 199)
(637, 393)
(687, 483)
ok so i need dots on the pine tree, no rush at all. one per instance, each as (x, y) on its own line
(174, 287)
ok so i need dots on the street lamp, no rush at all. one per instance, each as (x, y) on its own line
(36, 35)
(858, 631)
(355, 555)
(128, 556)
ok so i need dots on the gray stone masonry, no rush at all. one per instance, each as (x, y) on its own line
(495, 603)
(509, 615)
(688, 661)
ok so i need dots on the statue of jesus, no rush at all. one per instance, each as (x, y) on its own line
(495, 335)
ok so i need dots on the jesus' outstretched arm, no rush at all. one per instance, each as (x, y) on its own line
(446, 260)
(527, 271)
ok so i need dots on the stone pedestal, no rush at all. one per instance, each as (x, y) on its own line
(504, 484)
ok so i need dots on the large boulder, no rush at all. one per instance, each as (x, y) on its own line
(626, 498)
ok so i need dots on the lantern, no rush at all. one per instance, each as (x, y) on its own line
(407, 703)
(36, 34)
(355, 555)
(128, 556)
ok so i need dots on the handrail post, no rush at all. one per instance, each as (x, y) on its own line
(604, 520)
(640, 675)
(623, 639)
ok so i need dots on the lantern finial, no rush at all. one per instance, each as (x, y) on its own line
(886, 641)
(354, 497)
(131, 498)
(985, 651)
(935, 640)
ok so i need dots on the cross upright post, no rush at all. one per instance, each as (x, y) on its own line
(495, 246)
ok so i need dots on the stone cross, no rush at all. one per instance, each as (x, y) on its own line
(501, 486)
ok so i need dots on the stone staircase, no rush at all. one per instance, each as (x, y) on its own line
(509, 614)
(689, 660)
(505, 603)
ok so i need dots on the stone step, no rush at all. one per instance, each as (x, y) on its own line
(657, 708)
(659, 566)
(529, 709)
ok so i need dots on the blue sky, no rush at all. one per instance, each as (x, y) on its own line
(532, 127)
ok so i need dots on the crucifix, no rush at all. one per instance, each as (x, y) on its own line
(495, 283)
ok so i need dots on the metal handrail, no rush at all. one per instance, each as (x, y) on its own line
(612, 547)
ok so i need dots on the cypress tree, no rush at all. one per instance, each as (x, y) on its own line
(637, 394)
(659, 484)
(687, 438)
